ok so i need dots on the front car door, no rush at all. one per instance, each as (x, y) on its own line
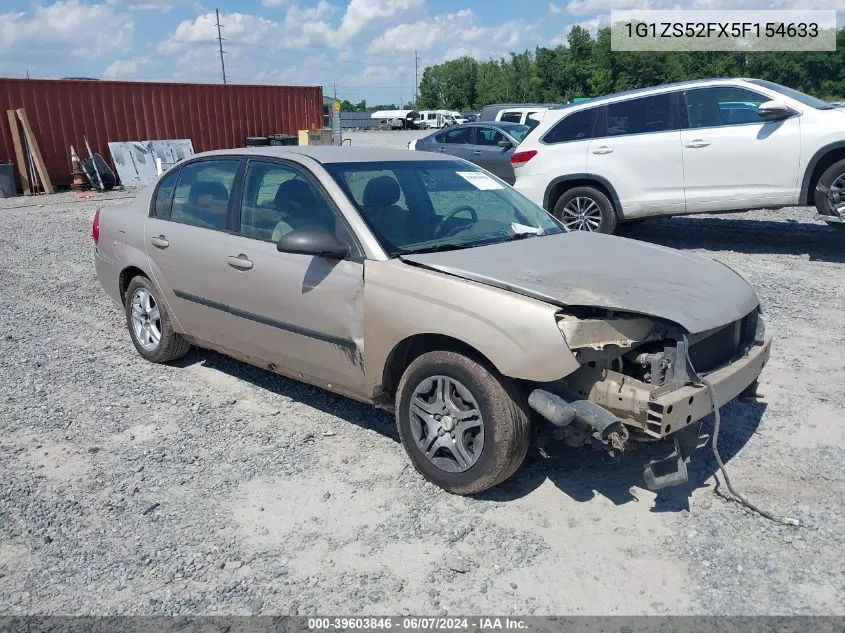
(186, 243)
(487, 153)
(300, 314)
(733, 159)
(638, 150)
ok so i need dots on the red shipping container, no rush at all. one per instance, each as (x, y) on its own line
(213, 116)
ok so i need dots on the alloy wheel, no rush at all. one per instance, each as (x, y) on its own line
(836, 196)
(146, 320)
(581, 214)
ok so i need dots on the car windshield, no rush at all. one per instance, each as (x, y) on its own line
(806, 99)
(424, 206)
(519, 132)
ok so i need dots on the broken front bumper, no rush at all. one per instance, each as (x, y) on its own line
(676, 409)
(660, 411)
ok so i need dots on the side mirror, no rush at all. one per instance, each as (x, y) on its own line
(312, 240)
(774, 111)
(505, 143)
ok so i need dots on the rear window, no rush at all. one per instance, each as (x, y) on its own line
(578, 126)
(512, 117)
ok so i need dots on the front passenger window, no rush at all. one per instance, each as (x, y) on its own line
(279, 199)
(202, 194)
(722, 105)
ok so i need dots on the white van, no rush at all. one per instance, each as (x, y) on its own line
(522, 115)
(437, 119)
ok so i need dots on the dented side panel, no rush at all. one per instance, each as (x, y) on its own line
(519, 335)
(299, 313)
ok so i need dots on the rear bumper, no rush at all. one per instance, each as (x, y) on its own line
(532, 186)
(109, 276)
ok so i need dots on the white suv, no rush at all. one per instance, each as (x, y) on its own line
(701, 146)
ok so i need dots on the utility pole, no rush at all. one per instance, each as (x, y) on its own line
(416, 78)
(220, 45)
(335, 91)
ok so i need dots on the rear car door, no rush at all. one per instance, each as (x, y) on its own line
(298, 313)
(486, 153)
(637, 149)
(456, 142)
(186, 243)
(732, 158)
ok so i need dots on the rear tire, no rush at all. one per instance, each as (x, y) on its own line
(149, 323)
(586, 209)
(461, 454)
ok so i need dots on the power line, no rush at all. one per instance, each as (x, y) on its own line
(416, 77)
(220, 45)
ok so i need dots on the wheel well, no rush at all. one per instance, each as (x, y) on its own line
(559, 188)
(414, 346)
(126, 277)
(825, 161)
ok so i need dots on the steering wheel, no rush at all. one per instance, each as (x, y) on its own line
(439, 232)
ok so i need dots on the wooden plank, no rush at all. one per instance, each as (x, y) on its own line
(36, 153)
(19, 157)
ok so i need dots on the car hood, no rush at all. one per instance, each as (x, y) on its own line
(603, 271)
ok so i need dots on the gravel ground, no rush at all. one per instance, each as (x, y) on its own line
(212, 487)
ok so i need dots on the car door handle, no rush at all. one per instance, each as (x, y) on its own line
(240, 262)
(697, 143)
(477, 152)
(159, 242)
(603, 149)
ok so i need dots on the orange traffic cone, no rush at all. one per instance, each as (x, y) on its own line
(80, 181)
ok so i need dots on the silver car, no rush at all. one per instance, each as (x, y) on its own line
(424, 285)
(488, 145)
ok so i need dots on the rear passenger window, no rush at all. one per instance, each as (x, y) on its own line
(640, 116)
(164, 195)
(512, 117)
(461, 135)
(202, 194)
(578, 126)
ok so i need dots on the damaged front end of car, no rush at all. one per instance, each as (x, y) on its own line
(643, 379)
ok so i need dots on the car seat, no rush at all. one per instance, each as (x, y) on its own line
(389, 221)
(299, 207)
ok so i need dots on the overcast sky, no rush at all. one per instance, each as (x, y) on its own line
(364, 47)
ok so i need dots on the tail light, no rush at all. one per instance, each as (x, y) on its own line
(95, 227)
(520, 158)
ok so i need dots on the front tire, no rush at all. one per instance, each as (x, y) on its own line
(149, 324)
(586, 209)
(464, 426)
(830, 193)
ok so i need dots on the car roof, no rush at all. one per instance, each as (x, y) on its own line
(652, 90)
(329, 153)
(505, 125)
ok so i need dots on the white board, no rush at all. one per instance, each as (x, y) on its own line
(136, 161)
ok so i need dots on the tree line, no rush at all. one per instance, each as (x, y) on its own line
(587, 67)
